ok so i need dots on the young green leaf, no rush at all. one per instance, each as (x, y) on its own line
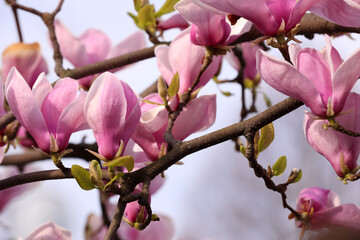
(168, 7)
(82, 177)
(267, 100)
(280, 166)
(96, 174)
(146, 17)
(135, 18)
(125, 161)
(266, 137)
(298, 176)
(154, 103)
(138, 4)
(174, 85)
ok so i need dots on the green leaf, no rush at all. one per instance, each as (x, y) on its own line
(82, 177)
(280, 166)
(146, 17)
(117, 176)
(174, 85)
(138, 4)
(298, 176)
(266, 137)
(168, 7)
(125, 161)
(227, 94)
(242, 149)
(96, 174)
(150, 102)
(135, 18)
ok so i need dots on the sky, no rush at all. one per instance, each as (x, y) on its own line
(214, 195)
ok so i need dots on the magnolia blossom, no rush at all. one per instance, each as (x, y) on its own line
(175, 21)
(112, 111)
(26, 58)
(49, 231)
(341, 150)
(210, 29)
(323, 210)
(199, 114)
(159, 230)
(93, 46)
(185, 58)
(269, 15)
(49, 114)
(320, 79)
(249, 55)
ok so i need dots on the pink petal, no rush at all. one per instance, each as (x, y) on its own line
(57, 100)
(162, 60)
(175, 21)
(293, 51)
(23, 104)
(72, 119)
(257, 11)
(50, 231)
(106, 111)
(286, 79)
(347, 216)
(135, 41)
(204, 108)
(41, 89)
(344, 12)
(97, 45)
(314, 67)
(331, 56)
(344, 79)
(71, 47)
(298, 10)
(26, 58)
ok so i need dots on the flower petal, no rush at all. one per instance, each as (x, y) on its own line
(50, 231)
(97, 45)
(286, 79)
(25, 108)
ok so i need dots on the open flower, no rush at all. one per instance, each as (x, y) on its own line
(321, 207)
(341, 150)
(270, 16)
(175, 21)
(150, 132)
(321, 80)
(49, 231)
(49, 114)
(113, 112)
(93, 46)
(210, 29)
(26, 58)
(185, 58)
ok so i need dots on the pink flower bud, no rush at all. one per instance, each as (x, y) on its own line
(26, 58)
(112, 111)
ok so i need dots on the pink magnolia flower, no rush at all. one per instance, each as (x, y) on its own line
(26, 58)
(49, 231)
(154, 119)
(112, 111)
(341, 150)
(93, 46)
(159, 230)
(268, 15)
(323, 210)
(134, 213)
(210, 29)
(185, 58)
(328, 79)
(47, 113)
(249, 54)
(175, 21)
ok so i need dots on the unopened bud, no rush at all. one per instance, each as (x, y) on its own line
(162, 89)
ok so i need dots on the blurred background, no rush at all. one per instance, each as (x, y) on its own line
(214, 195)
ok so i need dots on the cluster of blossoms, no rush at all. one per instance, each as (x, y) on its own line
(119, 118)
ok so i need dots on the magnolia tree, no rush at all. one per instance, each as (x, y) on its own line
(138, 136)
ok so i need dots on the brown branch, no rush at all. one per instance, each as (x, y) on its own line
(16, 16)
(109, 64)
(116, 220)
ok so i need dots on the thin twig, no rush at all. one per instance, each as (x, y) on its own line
(116, 220)
(16, 16)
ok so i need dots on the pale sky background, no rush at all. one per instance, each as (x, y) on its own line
(214, 194)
